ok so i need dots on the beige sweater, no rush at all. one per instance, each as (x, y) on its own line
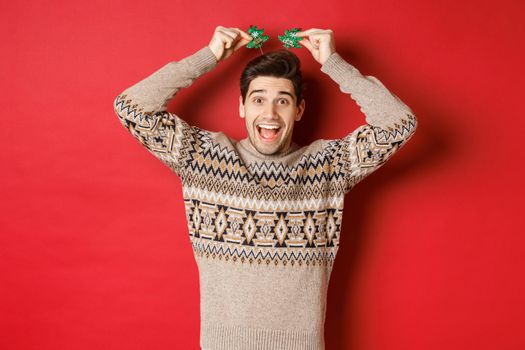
(264, 229)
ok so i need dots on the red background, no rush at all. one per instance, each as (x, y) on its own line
(94, 246)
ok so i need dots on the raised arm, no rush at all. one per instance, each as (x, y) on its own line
(141, 108)
(389, 122)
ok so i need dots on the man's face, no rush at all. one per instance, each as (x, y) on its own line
(270, 112)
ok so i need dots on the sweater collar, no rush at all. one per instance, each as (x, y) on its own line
(247, 146)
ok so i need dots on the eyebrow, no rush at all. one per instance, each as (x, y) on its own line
(280, 92)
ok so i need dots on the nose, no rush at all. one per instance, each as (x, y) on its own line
(270, 111)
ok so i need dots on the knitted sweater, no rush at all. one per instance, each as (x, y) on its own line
(264, 229)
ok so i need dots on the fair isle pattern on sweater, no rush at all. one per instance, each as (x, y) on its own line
(246, 209)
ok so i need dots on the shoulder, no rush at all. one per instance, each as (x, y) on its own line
(218, 142)
(321, 147)
(318, 149)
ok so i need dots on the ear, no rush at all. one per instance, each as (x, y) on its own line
(300, 110)
(241, 107)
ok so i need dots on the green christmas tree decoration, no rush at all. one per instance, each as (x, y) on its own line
(258, 37)
(289, 39)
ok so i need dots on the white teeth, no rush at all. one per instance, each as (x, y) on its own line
(267, 126)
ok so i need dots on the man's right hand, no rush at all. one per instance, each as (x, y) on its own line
(226, 41)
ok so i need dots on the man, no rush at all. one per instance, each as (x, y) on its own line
(264, 215)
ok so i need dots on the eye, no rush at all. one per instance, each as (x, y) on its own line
(285, 101)
(257, 99)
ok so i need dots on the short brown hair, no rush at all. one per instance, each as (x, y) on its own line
(280, 64)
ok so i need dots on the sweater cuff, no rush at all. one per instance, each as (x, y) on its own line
(337, 68)
(201, 61)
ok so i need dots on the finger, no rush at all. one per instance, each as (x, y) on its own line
(307, 32)
(306, 43)
(313, 41)
(319, 39)
(227, 41)
(227, 33)
(241, 38)
(244, 34)
(301, 34)
(238, 34)
(238, 39)
(240, 43)
(237, 42)
(231, 32)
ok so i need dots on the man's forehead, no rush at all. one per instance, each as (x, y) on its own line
(263, 81)
(266, 84)
(264, 91)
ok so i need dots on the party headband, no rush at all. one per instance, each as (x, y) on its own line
(289, 39)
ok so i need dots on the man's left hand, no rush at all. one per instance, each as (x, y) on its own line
(319, 42)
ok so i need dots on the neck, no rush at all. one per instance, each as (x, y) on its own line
(248, 146)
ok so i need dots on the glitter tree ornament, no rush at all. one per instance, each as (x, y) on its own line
(258, 37)
(289, 39)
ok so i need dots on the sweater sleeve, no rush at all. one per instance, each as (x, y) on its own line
(389, 123)
(141, 109)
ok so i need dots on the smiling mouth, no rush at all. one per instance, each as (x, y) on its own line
(268, 132)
